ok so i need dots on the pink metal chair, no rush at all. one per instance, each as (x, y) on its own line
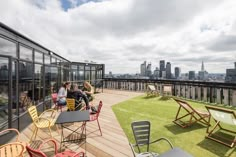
(54, 100)
(38, 153)
(94, 117)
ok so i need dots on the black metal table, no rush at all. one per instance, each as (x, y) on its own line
(175, 152)
(71, 117)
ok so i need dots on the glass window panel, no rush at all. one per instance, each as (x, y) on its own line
(81, 67)
(25, 85)
(38, 57)
(54, 60)
(74, 67)
(92, 75)
(54, 78)
(7, 47)
(93, 68)
(47, 59)
(87, 75)
(49, 89)
(38, 84)
(81, 75)
(26, 53)
(14, 103)
(87, 67)
(4, 70)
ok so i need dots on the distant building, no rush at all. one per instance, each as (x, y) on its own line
(156, 73)
(143, 69)
(177, 72)
(203, 74)
(231, 74)
(162, 67)
(149, 70)
(163, 74)
(168, 70)
(191, 75)
(110, 74)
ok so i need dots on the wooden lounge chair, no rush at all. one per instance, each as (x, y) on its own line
(193, 114)
(151, 90)
(222, 116)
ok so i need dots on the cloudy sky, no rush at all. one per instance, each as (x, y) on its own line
(124, 33)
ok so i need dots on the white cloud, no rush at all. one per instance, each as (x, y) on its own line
(123, 33)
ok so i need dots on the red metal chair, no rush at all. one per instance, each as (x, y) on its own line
(54, 100)
(94, 116)
(38, 153)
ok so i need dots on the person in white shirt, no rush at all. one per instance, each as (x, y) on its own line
(62, 94)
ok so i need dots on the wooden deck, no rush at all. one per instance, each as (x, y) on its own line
(113, 142)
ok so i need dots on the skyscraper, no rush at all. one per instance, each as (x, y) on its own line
(231, 74)
(203, 73)
(143, 68)
(191, 75)
(168, 70)
(149, 70)
(156, 73)
(177, 72)
(162, 67)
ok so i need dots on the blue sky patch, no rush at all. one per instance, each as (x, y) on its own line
(67, 4)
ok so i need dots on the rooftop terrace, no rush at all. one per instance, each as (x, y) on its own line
(114, 142)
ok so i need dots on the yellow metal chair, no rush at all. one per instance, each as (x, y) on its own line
(16, 132)
(41, 121)
(70, 103)
(14, 149)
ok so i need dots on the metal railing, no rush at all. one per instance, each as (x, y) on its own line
(209, 92)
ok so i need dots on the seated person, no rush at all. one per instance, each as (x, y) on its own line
(88, 90)
(62, 94)
(77, 95)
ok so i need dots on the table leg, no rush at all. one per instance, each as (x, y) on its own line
(62, 136)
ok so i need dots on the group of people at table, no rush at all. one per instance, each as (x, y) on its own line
(65, 91)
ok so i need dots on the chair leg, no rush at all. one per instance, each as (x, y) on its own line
(50, 131)
(99, 127)
(32, 134)
(36, 131)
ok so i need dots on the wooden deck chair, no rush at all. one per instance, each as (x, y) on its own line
(167, 90)
(194, 115)
(151, 90)
(222, 116)
(41, 121)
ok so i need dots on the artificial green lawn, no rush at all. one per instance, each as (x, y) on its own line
(161, 113)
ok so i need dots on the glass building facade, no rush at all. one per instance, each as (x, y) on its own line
(29, 73)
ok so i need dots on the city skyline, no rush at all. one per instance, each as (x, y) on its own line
(123, 33)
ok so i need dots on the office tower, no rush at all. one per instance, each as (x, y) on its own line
(177, 72)
(168, 70)
(143, 69)
(202, 75)
(202, 69)
(149, 70)
(191, 75)
(162, 67)
(231, 74)
(156, 73)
